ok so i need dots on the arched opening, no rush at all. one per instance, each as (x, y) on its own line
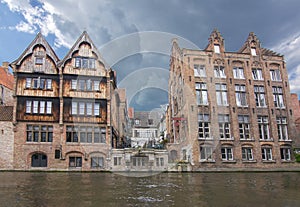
(39, 160)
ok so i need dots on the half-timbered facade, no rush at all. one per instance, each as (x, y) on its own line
(62, 107)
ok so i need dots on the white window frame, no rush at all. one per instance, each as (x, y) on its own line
(35, 109)
(244, 127)
(285, 154)
(206, 153)
(227, 153)
(219, 72)
(28, 83)
(96, 85)
(282, 128)
(74, 109)
(247, 153)
(28, 107)
(259, 94)
(221, 93)
(257, 74)
(49, 107)
(199, 70)
(201, 94)
(263, 127)
(224, 126)
(89, 107)
(253, 51)
(42, 107)
(203, 126)
(238, 73)
(278, 97)
(240, 94)
(275, 75)
(96, 109)
(217, 48)
(266, 153)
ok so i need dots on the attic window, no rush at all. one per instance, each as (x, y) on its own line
(253, 51)
(39, 60)
(217, 48)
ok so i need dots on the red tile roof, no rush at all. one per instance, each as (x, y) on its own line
(6, 78)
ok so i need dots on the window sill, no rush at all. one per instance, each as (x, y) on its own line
(286, 161)
(249, 161)
(229, 161)
(207, 161)
(269, 161)
(266, 140)
(203, 139)
(247, 140)
(285, 140)
(224, 139)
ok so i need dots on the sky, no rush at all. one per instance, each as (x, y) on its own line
(134, 36)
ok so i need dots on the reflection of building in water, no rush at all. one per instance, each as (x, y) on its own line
(229, 109)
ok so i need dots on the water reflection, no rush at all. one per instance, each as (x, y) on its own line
(187, 189)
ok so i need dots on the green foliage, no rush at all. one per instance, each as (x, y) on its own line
(297, 157)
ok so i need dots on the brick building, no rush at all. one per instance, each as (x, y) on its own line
(229, 109)
(62, 108)
(6, 85)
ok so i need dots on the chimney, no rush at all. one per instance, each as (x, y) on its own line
(5, 66)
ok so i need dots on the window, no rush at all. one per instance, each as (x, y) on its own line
(201, 94)
(49, 107)
(206, 153)
(96, 85)
(263, 127)
(39, 60)
(244, 127)
(74, 108)
(275, 75)
(75, 161)
(159, 161)
(48, 83)
(39, 133)
(81, 108)
(282, 128)
(224, 126)
(137, 122)
(259, 94)
(77, 62)
(240, 94)
(266, 153)
(278, 97)
(199, 71)
(219, 72)
(253, 51)
(97, 162)
(285, 154)
(72, 134)
(57, 154)
(82, 85)
(35, 107)
(39, 107)
(38, 83)
(73, 84)
(84, 62)
(117, 161)
(97, 109)
(221, 92)
(86, 134)
(140, 161)
(28, 83)
(89, 85)
(39, 160)
(89, 109)
(238, 73)
(217, 48)
(28, 106)
(227, 153)
(247, 154)
(42, 107)
(203, 126)
(257, 74)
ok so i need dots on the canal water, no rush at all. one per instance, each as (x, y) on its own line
(37, 189)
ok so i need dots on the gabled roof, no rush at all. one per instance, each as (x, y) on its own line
(6, 78)
(38, 40)
(84, 37)
(6, 113)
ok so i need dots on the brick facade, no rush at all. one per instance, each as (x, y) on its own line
(217, 99)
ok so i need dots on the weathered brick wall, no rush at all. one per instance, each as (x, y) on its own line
(6, 145)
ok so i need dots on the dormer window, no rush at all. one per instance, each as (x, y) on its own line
(253, 51)
(217, 48)
(85, 62)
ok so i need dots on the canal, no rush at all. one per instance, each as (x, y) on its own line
(36, 189)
